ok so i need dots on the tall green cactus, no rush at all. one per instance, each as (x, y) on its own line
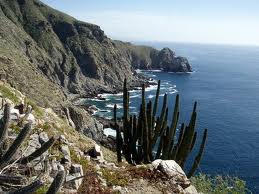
(6, 158)
(118, 136)
(39, 151)
(145, 127)
(57, 182)
(4, 124)
(146, 134)
(199, 155)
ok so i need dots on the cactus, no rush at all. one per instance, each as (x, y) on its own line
(29, 188)
(199, 156)
(145, 127)
(4, 124)
(6, 158)
(39, 151)
(57, 182)
(143, 133)
(118, 136)
(2, 103)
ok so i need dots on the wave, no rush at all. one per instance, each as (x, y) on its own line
(153, 70)
(109, 95)
(97, 99)
(119, 106)
(172, 87)
(135, 96)
(150, 88)
(173, 91)
(151, 96)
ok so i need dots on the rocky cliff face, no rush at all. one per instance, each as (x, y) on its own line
(62, 55)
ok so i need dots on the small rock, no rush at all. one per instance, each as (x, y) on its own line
(67, 158)
(65, 150)
(88, 158)
(76, 168)
(95, 152)
(63, 139)
(43, 137)
(71, 183)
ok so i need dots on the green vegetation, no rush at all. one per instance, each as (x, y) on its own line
(114, 178)
(219, 184)
(141, 133)
(38, 111)
(78, 160)
(7, 93)
(42, 190)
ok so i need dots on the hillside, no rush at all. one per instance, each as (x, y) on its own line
(89, 168)
(48, 54)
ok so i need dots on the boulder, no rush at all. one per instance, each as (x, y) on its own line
(172, 170)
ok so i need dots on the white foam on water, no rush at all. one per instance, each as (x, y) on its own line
(97, 99)
(154, 70)
(150, 88)
(109, 131)
(151, 96)
(119, 106)
(172, 87)
(135, 96)
(109, 95)
(174, 91)
(138, 70)
(108, 117)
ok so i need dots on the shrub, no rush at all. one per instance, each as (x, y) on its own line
(219, 184)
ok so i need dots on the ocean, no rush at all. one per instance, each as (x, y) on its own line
(225, 83)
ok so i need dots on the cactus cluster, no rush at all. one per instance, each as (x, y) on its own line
(7, 154)
(146, 136)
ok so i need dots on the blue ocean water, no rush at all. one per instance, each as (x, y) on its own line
(226, 86)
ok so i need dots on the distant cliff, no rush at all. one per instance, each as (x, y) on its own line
(49, 54)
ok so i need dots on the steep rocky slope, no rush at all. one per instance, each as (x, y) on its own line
(89, 167)
(53, 54)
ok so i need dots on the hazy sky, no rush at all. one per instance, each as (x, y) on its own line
(201, 21)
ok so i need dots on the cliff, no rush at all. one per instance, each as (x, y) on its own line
(54, 54)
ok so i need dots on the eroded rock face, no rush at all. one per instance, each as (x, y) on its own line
(86, 124)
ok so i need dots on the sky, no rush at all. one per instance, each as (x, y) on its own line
(234, 22)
